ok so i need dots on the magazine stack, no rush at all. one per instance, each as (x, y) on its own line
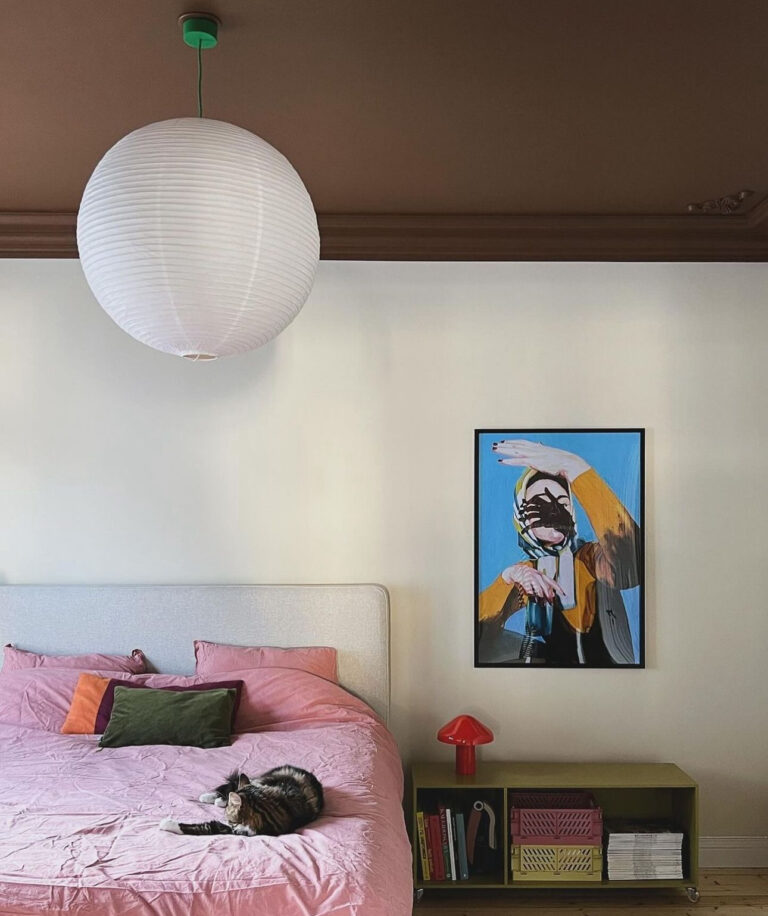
(644, 851)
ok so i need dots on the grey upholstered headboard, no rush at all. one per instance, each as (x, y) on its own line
(163, 620)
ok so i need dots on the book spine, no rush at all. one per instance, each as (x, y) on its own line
(437, 847)
(444, 842)
(430, 853)
(449, 823)
(462, 843)
(450, 817)
(425, 873)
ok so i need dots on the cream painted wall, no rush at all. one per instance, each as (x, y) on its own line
(343, 451)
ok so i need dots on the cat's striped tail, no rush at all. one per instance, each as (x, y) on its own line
(207, 828)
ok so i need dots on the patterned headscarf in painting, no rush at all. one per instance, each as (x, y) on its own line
(554, 560)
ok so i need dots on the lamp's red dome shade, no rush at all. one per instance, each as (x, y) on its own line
(465, 732)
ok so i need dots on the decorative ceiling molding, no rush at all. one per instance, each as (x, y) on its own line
(502, 237)
(722, 206)
(474, 237)
(38, 235)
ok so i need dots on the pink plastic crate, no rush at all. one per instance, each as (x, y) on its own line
(544, 818)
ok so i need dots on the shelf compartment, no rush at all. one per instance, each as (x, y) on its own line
(492, 869)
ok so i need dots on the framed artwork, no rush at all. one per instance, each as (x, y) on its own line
(559, 556)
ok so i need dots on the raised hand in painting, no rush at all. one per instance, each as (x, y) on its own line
(535, 584)
(545, 458)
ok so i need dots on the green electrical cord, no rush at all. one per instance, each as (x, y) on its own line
(200, 79)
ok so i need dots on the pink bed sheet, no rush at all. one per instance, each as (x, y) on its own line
(79, 826)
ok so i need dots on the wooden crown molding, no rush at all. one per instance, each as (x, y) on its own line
(730, 203)
(505, 237)
(474, 237)
(37, 235)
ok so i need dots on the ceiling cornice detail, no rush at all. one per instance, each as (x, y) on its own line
(474, 237)
(724, 206)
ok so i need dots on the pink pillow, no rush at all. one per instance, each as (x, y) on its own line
(213, 658)
(17, 659)
(40, 697)
(278, 698)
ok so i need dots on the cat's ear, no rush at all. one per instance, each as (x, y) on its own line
(234, 800)
(243, 781)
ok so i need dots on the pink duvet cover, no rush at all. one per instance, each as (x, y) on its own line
(79, 826)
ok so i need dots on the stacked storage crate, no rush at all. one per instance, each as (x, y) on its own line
(556, 836)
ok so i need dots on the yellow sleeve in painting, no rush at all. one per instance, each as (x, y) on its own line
(605, 511)
(615, 558)
(493, 599)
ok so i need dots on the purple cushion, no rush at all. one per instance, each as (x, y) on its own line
(108, 700)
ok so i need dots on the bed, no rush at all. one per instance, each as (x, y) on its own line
(79, 826)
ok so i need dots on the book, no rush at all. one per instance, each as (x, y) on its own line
(444, 842)
(430, 853)
(425, 872)
(451, 848)
(436, 845)
(461, 838)
(455, 842)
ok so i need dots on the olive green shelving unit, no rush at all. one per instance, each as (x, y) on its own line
(650, 791)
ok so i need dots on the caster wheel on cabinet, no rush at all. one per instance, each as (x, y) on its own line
(693, 894)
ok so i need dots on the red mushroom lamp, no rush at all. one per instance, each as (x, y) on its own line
(465, 732)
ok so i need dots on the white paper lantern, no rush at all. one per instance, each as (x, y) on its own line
(198, 238)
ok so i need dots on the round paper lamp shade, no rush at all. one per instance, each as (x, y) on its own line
(198, 238)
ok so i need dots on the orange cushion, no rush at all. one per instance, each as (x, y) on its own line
(81, 718)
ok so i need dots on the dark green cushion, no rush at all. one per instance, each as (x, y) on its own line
(155, 716)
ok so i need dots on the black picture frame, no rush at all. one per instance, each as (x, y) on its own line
(482, 657)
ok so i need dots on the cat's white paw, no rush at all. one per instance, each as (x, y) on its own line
(221, 803)
(169, 824)
(209, 798)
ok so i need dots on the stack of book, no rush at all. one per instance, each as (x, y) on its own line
(442, 845)
(644, 851)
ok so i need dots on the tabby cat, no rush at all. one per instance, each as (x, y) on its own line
(278, 801)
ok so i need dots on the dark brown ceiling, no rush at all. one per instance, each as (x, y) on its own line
(425, 124)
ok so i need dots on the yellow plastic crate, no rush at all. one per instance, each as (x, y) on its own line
(557, 863)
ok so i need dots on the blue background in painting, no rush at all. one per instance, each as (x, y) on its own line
(615, 457)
